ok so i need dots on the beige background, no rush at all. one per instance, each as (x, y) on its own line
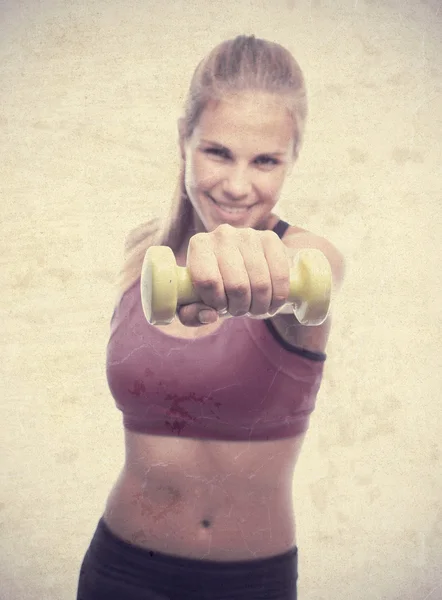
(90, 94)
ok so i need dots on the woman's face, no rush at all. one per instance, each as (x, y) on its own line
(237, 159)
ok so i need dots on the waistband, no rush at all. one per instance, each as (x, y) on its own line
(275, 576)
(180, 562)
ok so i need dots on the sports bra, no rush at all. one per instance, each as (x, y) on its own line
(240, 382)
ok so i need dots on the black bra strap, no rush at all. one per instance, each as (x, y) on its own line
(280, 228)
(311, 354)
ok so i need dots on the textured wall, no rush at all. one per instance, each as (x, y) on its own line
(89, 97)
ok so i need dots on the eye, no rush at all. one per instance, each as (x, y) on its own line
(267, 161)
(217, 152)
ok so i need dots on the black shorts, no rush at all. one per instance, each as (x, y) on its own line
(113, 569)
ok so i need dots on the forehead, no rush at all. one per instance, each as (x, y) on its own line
(256, 121)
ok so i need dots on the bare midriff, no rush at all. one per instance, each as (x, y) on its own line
(203, 499)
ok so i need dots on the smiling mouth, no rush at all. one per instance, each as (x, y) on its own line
(233, 210)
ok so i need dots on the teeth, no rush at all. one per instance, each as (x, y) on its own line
(232, 210)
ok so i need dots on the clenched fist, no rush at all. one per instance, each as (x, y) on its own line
(239, 270)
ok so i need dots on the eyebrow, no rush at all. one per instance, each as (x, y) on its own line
(221, 147)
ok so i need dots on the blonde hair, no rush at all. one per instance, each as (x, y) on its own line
(241, 64)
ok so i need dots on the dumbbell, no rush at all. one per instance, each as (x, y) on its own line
(165, 286)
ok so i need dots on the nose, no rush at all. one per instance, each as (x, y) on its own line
(237, 182)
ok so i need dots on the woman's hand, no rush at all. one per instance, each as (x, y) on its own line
(245, 271)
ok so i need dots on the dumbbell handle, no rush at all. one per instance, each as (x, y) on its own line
(166, 286)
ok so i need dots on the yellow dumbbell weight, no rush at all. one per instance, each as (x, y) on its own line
(166, 286)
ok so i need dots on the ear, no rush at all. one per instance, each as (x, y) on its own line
(291, 166)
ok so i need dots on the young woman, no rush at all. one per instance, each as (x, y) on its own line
(215, 409)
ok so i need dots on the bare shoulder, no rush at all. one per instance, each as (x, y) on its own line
(287, 325)
(297, 239)
(135, 245)
(140, 233)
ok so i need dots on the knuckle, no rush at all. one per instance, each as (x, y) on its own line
(261, 288)
(238, 290)
(223, 230)
(269, 235)
(197, 240)
(210, 290)
(246, 233)
(281, 283)
(206, 284)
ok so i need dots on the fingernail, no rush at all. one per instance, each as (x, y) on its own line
(207, 316)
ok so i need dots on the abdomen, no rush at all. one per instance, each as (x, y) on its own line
(206, 499)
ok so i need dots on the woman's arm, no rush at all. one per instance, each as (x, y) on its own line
(298, 241)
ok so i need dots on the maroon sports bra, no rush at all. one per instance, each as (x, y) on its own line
(240, 382)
